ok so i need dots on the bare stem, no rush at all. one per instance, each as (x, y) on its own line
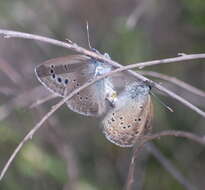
(169, 167)
(176, 133)
(130, 178)
(38, 125)
(150, 147)
(43, 100)
(175, 81)
(75, 47)
(143, 140)
(10, 72)
(20, 100)
(181, 58)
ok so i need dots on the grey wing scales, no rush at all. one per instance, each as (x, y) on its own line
(65, 74)
(121, 80)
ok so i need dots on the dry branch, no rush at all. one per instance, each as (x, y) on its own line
(169, 167)
(140, 143)
(175, 81)
(75, 47)
(79, 49)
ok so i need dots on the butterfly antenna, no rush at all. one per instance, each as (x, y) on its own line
(162, 103)
(88, 34)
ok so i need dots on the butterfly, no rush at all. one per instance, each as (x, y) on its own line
(131, 116)
(65, 74)
(124, 102)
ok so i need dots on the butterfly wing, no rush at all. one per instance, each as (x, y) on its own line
(65, 74)
(129, 119)
(122, 79)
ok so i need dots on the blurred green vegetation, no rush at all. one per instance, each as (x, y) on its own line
(71, 152)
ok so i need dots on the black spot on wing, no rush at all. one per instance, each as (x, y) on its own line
(66, 81)
(59, 79)
(53, 76)
(51, 71)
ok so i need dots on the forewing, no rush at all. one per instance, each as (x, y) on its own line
(65, 74)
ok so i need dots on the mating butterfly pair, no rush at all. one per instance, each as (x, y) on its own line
(124, 103)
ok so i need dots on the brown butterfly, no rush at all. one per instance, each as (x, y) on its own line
(131, 116)
(65, 74)
(129, 103)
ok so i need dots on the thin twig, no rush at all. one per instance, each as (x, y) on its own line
(169, 167)
(142, 141)
(130, 178)
(92, 54)
(39, 124)
(175, 81)
(75, 47)
(10, 72)
(176, 133)
(7, 91)
(59, 140)
(141, 166)
(180, 99)
(151, 148)
(66, 151)
(21, 100)
(43, 100)
(181, 58)
(136, 14)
